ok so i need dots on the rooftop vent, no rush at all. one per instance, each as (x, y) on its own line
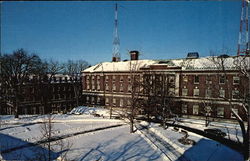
(193, 55)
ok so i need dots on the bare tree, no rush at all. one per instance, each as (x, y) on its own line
(73, 69)
(16, 69)
(242, 67)
(134, 87)
(48, 133)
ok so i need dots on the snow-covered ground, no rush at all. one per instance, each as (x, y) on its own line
(113, 143)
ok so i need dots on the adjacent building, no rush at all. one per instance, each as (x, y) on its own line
(57, 94)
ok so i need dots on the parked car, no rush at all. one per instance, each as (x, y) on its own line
(216, 132)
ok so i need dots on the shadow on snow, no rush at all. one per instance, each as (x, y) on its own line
(209, 150)
(22, 150)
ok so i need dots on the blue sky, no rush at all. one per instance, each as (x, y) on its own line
(84, 30)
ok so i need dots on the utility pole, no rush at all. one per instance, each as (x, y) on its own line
(116, 41)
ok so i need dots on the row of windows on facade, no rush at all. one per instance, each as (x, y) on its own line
(107, 101)
(54, 97)
(222, 79)
(208, 93)
(220, 111)
(121, 78)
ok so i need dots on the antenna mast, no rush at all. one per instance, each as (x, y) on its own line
(243, 43)
(116, 42)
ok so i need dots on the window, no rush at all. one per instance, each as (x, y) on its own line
(87, 86)
(196, 92)
(93, 100)
(106, 86)
(184, 92)
(114, 87)
(129, 78)
(129, 102)
(98, 86)
(121, 102)
(93, 86)
(185, 78)
(184, 109)
(121, 87)
(129, 88)
(195, 109)
(87, 77)
(98, 77)
(220, 112)
(222, 79)
(196, 79)
(222, 93)
(236, 80)
(235, 94)
(107, 101)
(107, 78)
(208, 93)
(208, 110)
(114, 102)
(171, 80)
(113, 77)
(208, 79)
(98, 100)
(121, 78)
(87, 99)
(235, 110)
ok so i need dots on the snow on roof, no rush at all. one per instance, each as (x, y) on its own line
(204, 63)
(120, 66)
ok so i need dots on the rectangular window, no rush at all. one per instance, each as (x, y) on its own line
(208, 93)
(121, 87)
(235, 94)
(107, 101)
(113, 77)
(208, 79)
(196, 92)
(98, 77)
(195, 109)
(106, 86)
(184, 92)
(129, 88)
(98, 86)
(196, 79)
(93, 86)
(87, 86)
(185, 78)
(222, 79)
(171, 80)
(107, 78)
(222, 93)
(121, 102)
(114, 87)
(129, 78)
(93, 100)
(87, 99)
(236, 80)
(98, 100)
(129, 102)
(121, 78)
(220, 112)
(184, 109)
(114, 102)
(235, 110)
(87, 77)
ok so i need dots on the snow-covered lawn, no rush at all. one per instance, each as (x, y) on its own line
(113, 143)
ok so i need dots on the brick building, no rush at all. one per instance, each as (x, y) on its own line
(43, 95)
(199, 86)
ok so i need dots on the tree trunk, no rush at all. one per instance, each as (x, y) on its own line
(131, 125)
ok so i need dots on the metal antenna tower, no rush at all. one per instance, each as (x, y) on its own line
(116, 42)
(243, 43)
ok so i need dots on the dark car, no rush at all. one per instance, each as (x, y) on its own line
(216, 132)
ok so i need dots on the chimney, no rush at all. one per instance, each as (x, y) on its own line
(134, 55)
